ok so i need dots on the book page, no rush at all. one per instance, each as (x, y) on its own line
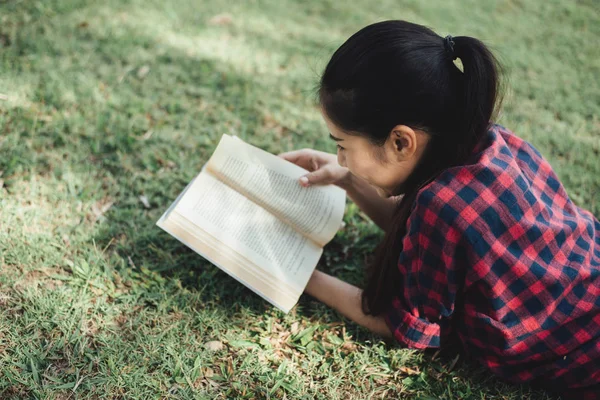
(272, 182)
(256, 279)
(249, 229)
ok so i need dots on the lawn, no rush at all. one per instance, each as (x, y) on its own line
(108, 109)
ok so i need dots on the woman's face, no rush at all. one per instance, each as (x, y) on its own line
(384, 167)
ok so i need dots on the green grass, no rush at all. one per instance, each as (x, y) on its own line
(105, 102)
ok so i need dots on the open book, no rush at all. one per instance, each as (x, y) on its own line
(247, 214)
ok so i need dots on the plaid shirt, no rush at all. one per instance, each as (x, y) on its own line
(497, 256)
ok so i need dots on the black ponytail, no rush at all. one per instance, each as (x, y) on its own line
(480, 85)
(396, 72)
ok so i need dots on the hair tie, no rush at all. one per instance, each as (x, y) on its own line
(449, 46)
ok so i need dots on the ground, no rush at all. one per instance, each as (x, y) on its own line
(108, 109)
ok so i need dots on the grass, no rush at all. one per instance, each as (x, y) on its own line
(104, 102)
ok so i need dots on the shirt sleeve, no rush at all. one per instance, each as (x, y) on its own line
(421, 312)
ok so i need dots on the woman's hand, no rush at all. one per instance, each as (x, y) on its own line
(326, 170)
(323, 166)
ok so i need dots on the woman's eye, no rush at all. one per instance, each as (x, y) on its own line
(339, 147)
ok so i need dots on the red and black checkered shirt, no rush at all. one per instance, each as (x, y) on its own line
(497, 256)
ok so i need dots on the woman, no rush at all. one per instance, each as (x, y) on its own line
(485, 245)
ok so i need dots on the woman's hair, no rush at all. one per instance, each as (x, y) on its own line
(399, 73)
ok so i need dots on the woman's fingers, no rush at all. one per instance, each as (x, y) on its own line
(293, 156)
(314, 164)
(299, 157)
(323, 167)
(321, 176)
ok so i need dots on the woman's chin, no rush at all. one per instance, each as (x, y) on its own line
(387, 193)
(383, 193)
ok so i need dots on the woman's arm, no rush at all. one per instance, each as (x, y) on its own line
(346, 299)
(365, 196)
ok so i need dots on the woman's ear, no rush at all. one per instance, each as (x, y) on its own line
(402, 142)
